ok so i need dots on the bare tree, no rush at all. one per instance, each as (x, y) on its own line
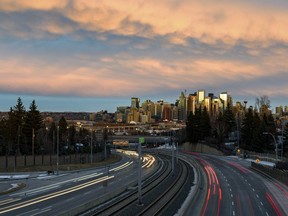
(260, 102)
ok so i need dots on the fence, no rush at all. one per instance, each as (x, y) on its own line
(14, 162)
(264, 156)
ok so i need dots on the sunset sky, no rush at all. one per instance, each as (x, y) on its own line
(89, 55)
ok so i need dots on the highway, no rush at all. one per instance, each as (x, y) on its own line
(224, 186)
(232, 188)
(60, 194)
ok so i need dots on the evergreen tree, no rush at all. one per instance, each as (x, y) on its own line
(268, 126)
(258, 129)
(32, 126)
(205, 124)
(15, 124)
(193, 129)
(285, 143)
(189, 128)
(229, 119)
(197, 125)
(4, 136)
(247, 130)
(220, 128)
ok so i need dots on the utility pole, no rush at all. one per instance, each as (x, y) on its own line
(57, 150)
(141, 140)
(33, 146)
(91, 159)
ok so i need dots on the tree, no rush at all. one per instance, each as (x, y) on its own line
(194, 133)
(63, 126)
(33, 123)
(71, 137)
(15, 123)
(247, 131)
(189, 128)
(220, 128)
(285, 144)
(268, 126)
(262, 101)
(229, 119)
(258, 129)
(205, 124)
(4, 136)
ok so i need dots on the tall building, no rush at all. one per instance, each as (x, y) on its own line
(207, 104)
(182, 116)
(191, 103)
(135, 102)
(201, 96)
(279, 111)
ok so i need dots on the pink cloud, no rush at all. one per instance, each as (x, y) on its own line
(228, 21)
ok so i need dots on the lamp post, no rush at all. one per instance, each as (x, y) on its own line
(238, 131)
(57, 165)
(91, 159)
(274, 142)
(33, 145)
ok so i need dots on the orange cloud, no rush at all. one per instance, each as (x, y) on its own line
(20, 5)
(227, 21)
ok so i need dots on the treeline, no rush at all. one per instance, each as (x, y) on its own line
(24, 132)
(255, 130)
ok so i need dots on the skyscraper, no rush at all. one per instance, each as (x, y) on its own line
(135, 102)
(182, 107)
(201, 96)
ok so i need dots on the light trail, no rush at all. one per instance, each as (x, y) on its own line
(53, 195)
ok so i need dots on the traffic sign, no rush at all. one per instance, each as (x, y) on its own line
(141, 140)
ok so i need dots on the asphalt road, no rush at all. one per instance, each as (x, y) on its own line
(55, 195)
(234, 189)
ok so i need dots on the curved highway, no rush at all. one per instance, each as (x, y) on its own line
(232, 188)
(57, 195)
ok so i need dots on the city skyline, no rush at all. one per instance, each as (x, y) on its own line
(86, 55)
(111, 105)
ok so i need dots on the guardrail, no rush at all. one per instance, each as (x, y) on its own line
(277, 174)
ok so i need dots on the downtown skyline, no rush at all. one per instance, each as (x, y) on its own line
(86, 55)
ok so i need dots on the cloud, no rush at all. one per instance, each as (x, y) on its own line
(206, 21)
(21, 5)
(108, 48)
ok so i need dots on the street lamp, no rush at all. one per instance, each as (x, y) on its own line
(91, 146)
(57, 150)
(274, 142)
(238, 130)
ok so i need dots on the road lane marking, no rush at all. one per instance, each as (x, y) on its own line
(40, 212)
(53, 195)
(261, 203)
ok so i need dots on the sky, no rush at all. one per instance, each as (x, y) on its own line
(91, 55)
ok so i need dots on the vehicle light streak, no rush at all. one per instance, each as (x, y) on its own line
(7, 201)
(282, 189)
(273, 204)
(242, 169)
(213, 184)
(87, 177)
(53, 186)
(150, 160)
(122, 166)
(53, 195)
